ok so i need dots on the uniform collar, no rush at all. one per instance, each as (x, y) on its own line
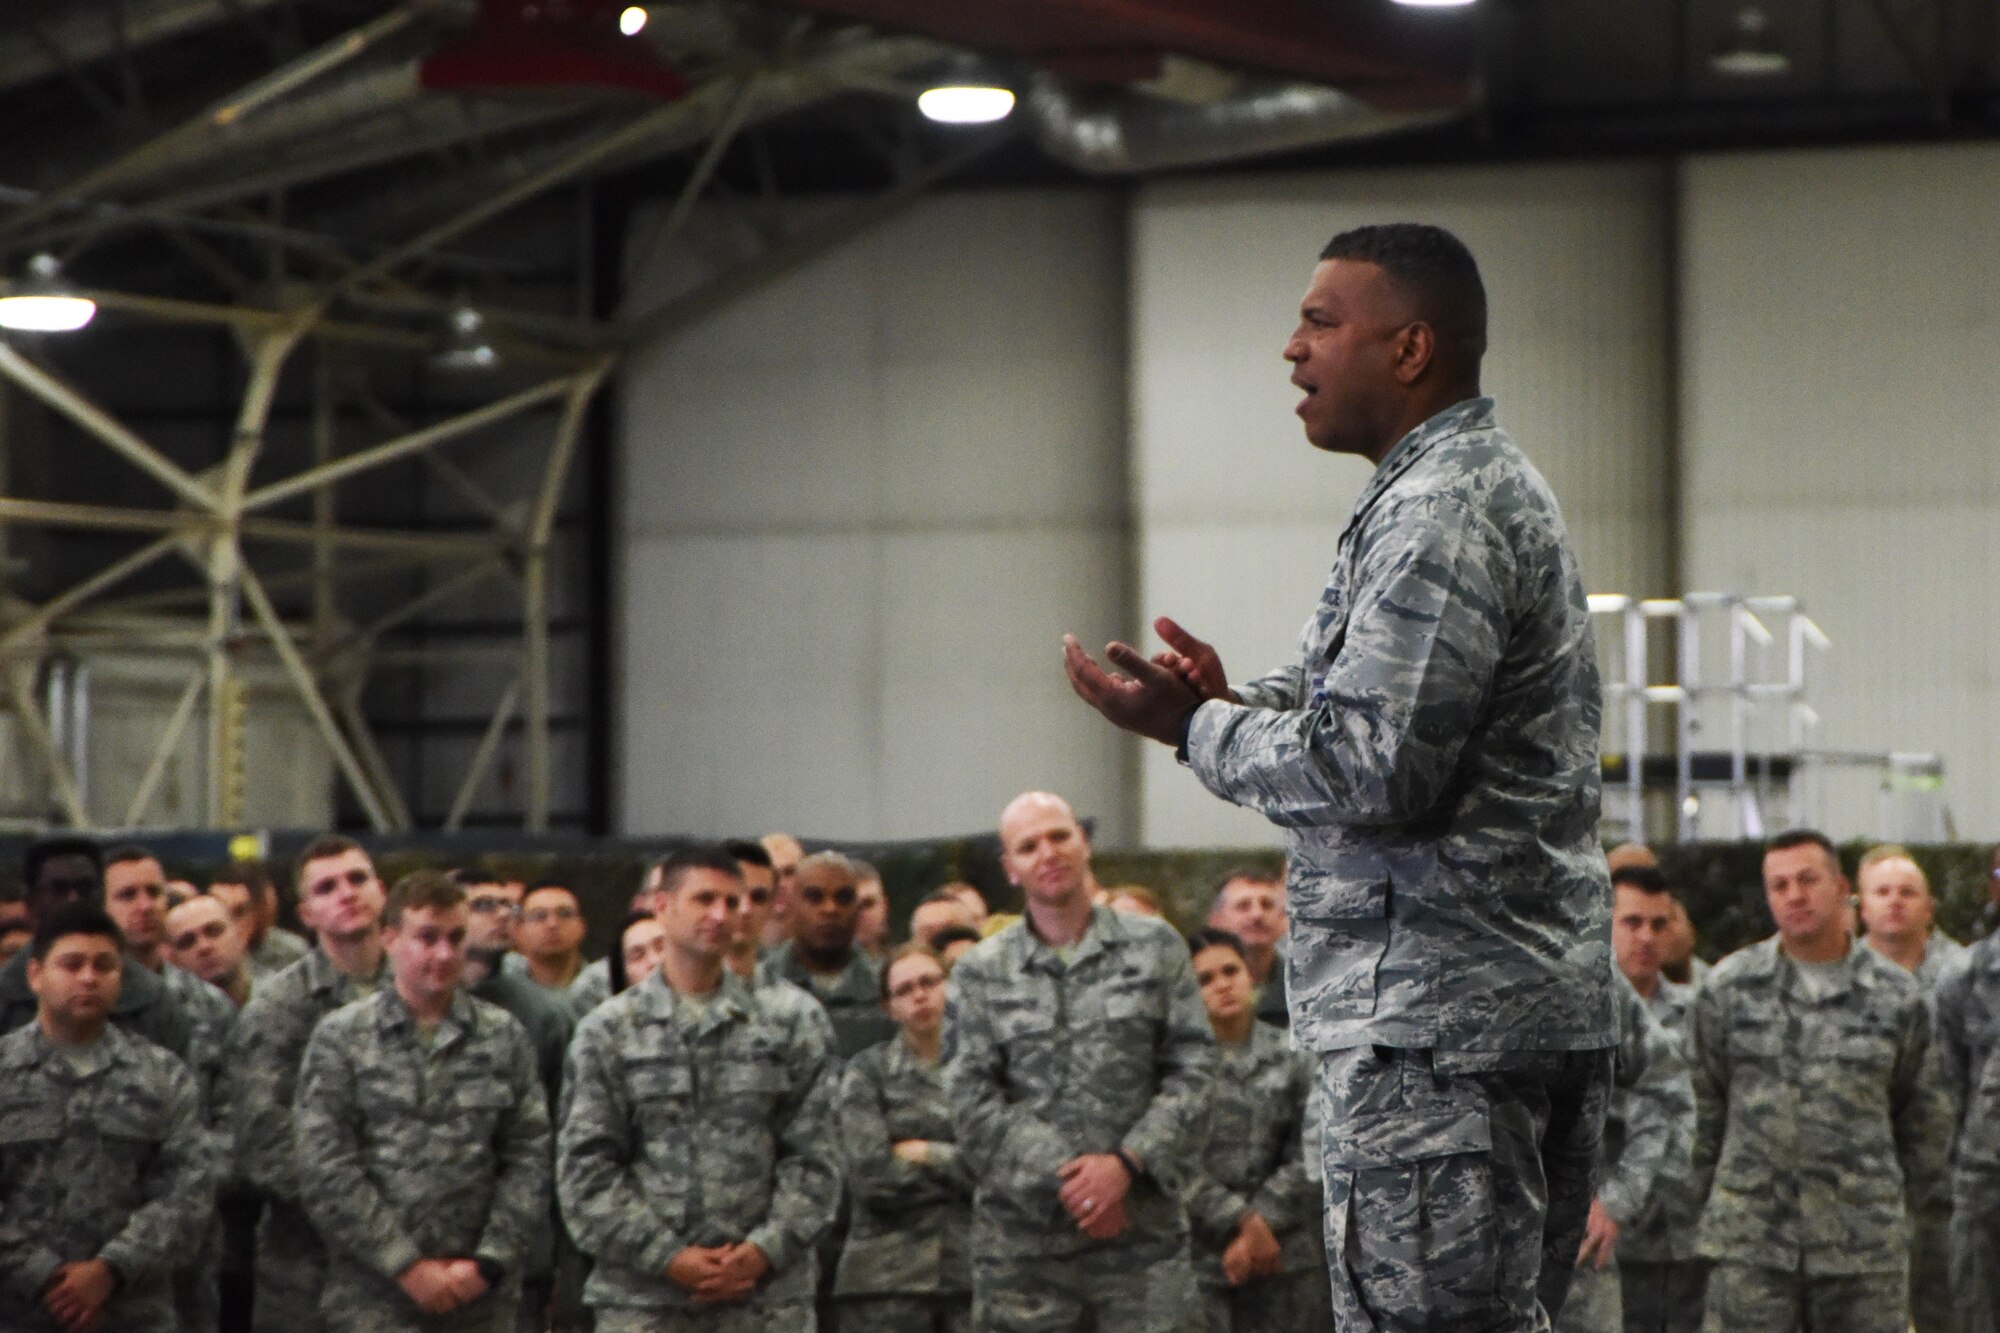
(731, 1001)
(1105, 930)
(323, 978)
(1471, 414)
(858, 980)
(393, 1015)
(35, 1049)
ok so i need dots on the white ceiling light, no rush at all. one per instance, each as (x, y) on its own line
(964, 101)
(467, 347)
(632, 21)
(1434, 4)
(1750, 51)
(44, 302)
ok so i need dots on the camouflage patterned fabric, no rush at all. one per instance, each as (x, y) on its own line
(911, 1223)
(1258, 1103)
(1821, 1126)
(1433, 760)
(258, 1082)
(1745, 1297)
(1968, 1019)
(1051, 1060)
(103, 1154)
(1456, 1199)
(145, 1007)
(1942, 955)
(279, 950)
(411, 1151)
(211, 1018)
(853, 1002)
(1661, 1278)
(1975, 1218)
(702, 1129)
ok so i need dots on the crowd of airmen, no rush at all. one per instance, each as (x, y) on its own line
(756, 1113)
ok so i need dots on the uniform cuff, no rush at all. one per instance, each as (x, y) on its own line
(780, 1251)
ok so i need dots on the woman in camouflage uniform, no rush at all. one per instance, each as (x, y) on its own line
(905, 1268)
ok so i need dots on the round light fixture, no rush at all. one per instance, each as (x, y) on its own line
(1434, 4)
(466, 348)
(1750, 51)
(44, 302)
(632, 21)
(965, 103)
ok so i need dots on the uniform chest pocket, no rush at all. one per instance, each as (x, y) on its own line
(1131, 1004)
(1025, 1022)
(659, 1082)
(26, 1126)
(762, 1079)
(1759, 1042)
(132, 1121)
(483, 1100)
(1865, 1050)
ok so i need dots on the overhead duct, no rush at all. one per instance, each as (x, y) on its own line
(1123, 133)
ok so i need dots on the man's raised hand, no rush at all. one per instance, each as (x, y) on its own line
(1194, 661)
(1142, 696)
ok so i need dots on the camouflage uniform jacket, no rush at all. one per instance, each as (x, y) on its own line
(1968, 1019)
(1649, 1130)
(1433, 760)
(674, 1137)
(911, 1223)
(211, 1018)
(1053, 1060)
(1665, 1232)
(409, 1152)
(590, 987)
(279, 950)
(262, 1071)
(144, 1006)
(1256, 1154)
(853, 1001)
(104, 1159)
(1942, 956)
(1815, 1119)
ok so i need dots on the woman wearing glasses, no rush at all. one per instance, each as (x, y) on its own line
(904, 1269)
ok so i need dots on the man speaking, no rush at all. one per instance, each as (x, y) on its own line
(1432, 757)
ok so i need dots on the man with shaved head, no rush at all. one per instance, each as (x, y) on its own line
(1078, 1084)
(1431, 754)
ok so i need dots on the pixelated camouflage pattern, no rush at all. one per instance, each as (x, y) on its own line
(1433, 761)
(1942, 955)
(103, 1154)
(1051, 1060)
(1820, 1124)
(1255, 1158)
(1596, 1301)
(1457, 1200)
(906, 1314)
(1967, 1003)
(211, 1017)
(144, 1007)
(1751, 1298)
(792, 1316)
(1665, 1233)
(258, 1082)
(1649, 1126)
(708, 1134)
(412, 1151)
(1145, 1290)
(853, 1002)
(278, 950)
(909, 1229)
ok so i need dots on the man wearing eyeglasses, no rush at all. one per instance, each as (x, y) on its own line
(549, 941)
(820, 957)
(340, 899)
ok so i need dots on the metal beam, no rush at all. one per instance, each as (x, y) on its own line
(389, 451)
(37, 729)
(416, 546)
(52, 390)
(111, 575)
(163, 754)
(83, 36)
(482, 758)
(315, 703)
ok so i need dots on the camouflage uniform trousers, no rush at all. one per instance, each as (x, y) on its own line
(782, 1317)
(1931, 1307)
(1287, 1303)
(497, 1311)
(1105, 1289)
(1975, 1262)
(1743, 1298)
(1455, 1201)
(290, 1273)
(902, 1314)
(1596, 1302)
(1663, 1297)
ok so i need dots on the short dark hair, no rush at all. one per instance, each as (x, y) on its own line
(1208, 937)
(743, 849)
(422, 891)
(1646, 879)
(252, 874)
(952, 935)
(1434, 268)
(615, 960)
(1804, 837)
(127, 853)
(43, 850)
(473, 877)
(319, 849)
(1250, 873)
(681, 864)
(73, 919)
(941, 896)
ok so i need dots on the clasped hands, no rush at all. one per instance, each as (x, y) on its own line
(716, 1274)
(76, 1293)
(1150, 696)
(1093, 1192)
(1253, 1254)
(439, 1286)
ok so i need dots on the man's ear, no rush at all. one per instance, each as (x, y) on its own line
(1416, 348)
